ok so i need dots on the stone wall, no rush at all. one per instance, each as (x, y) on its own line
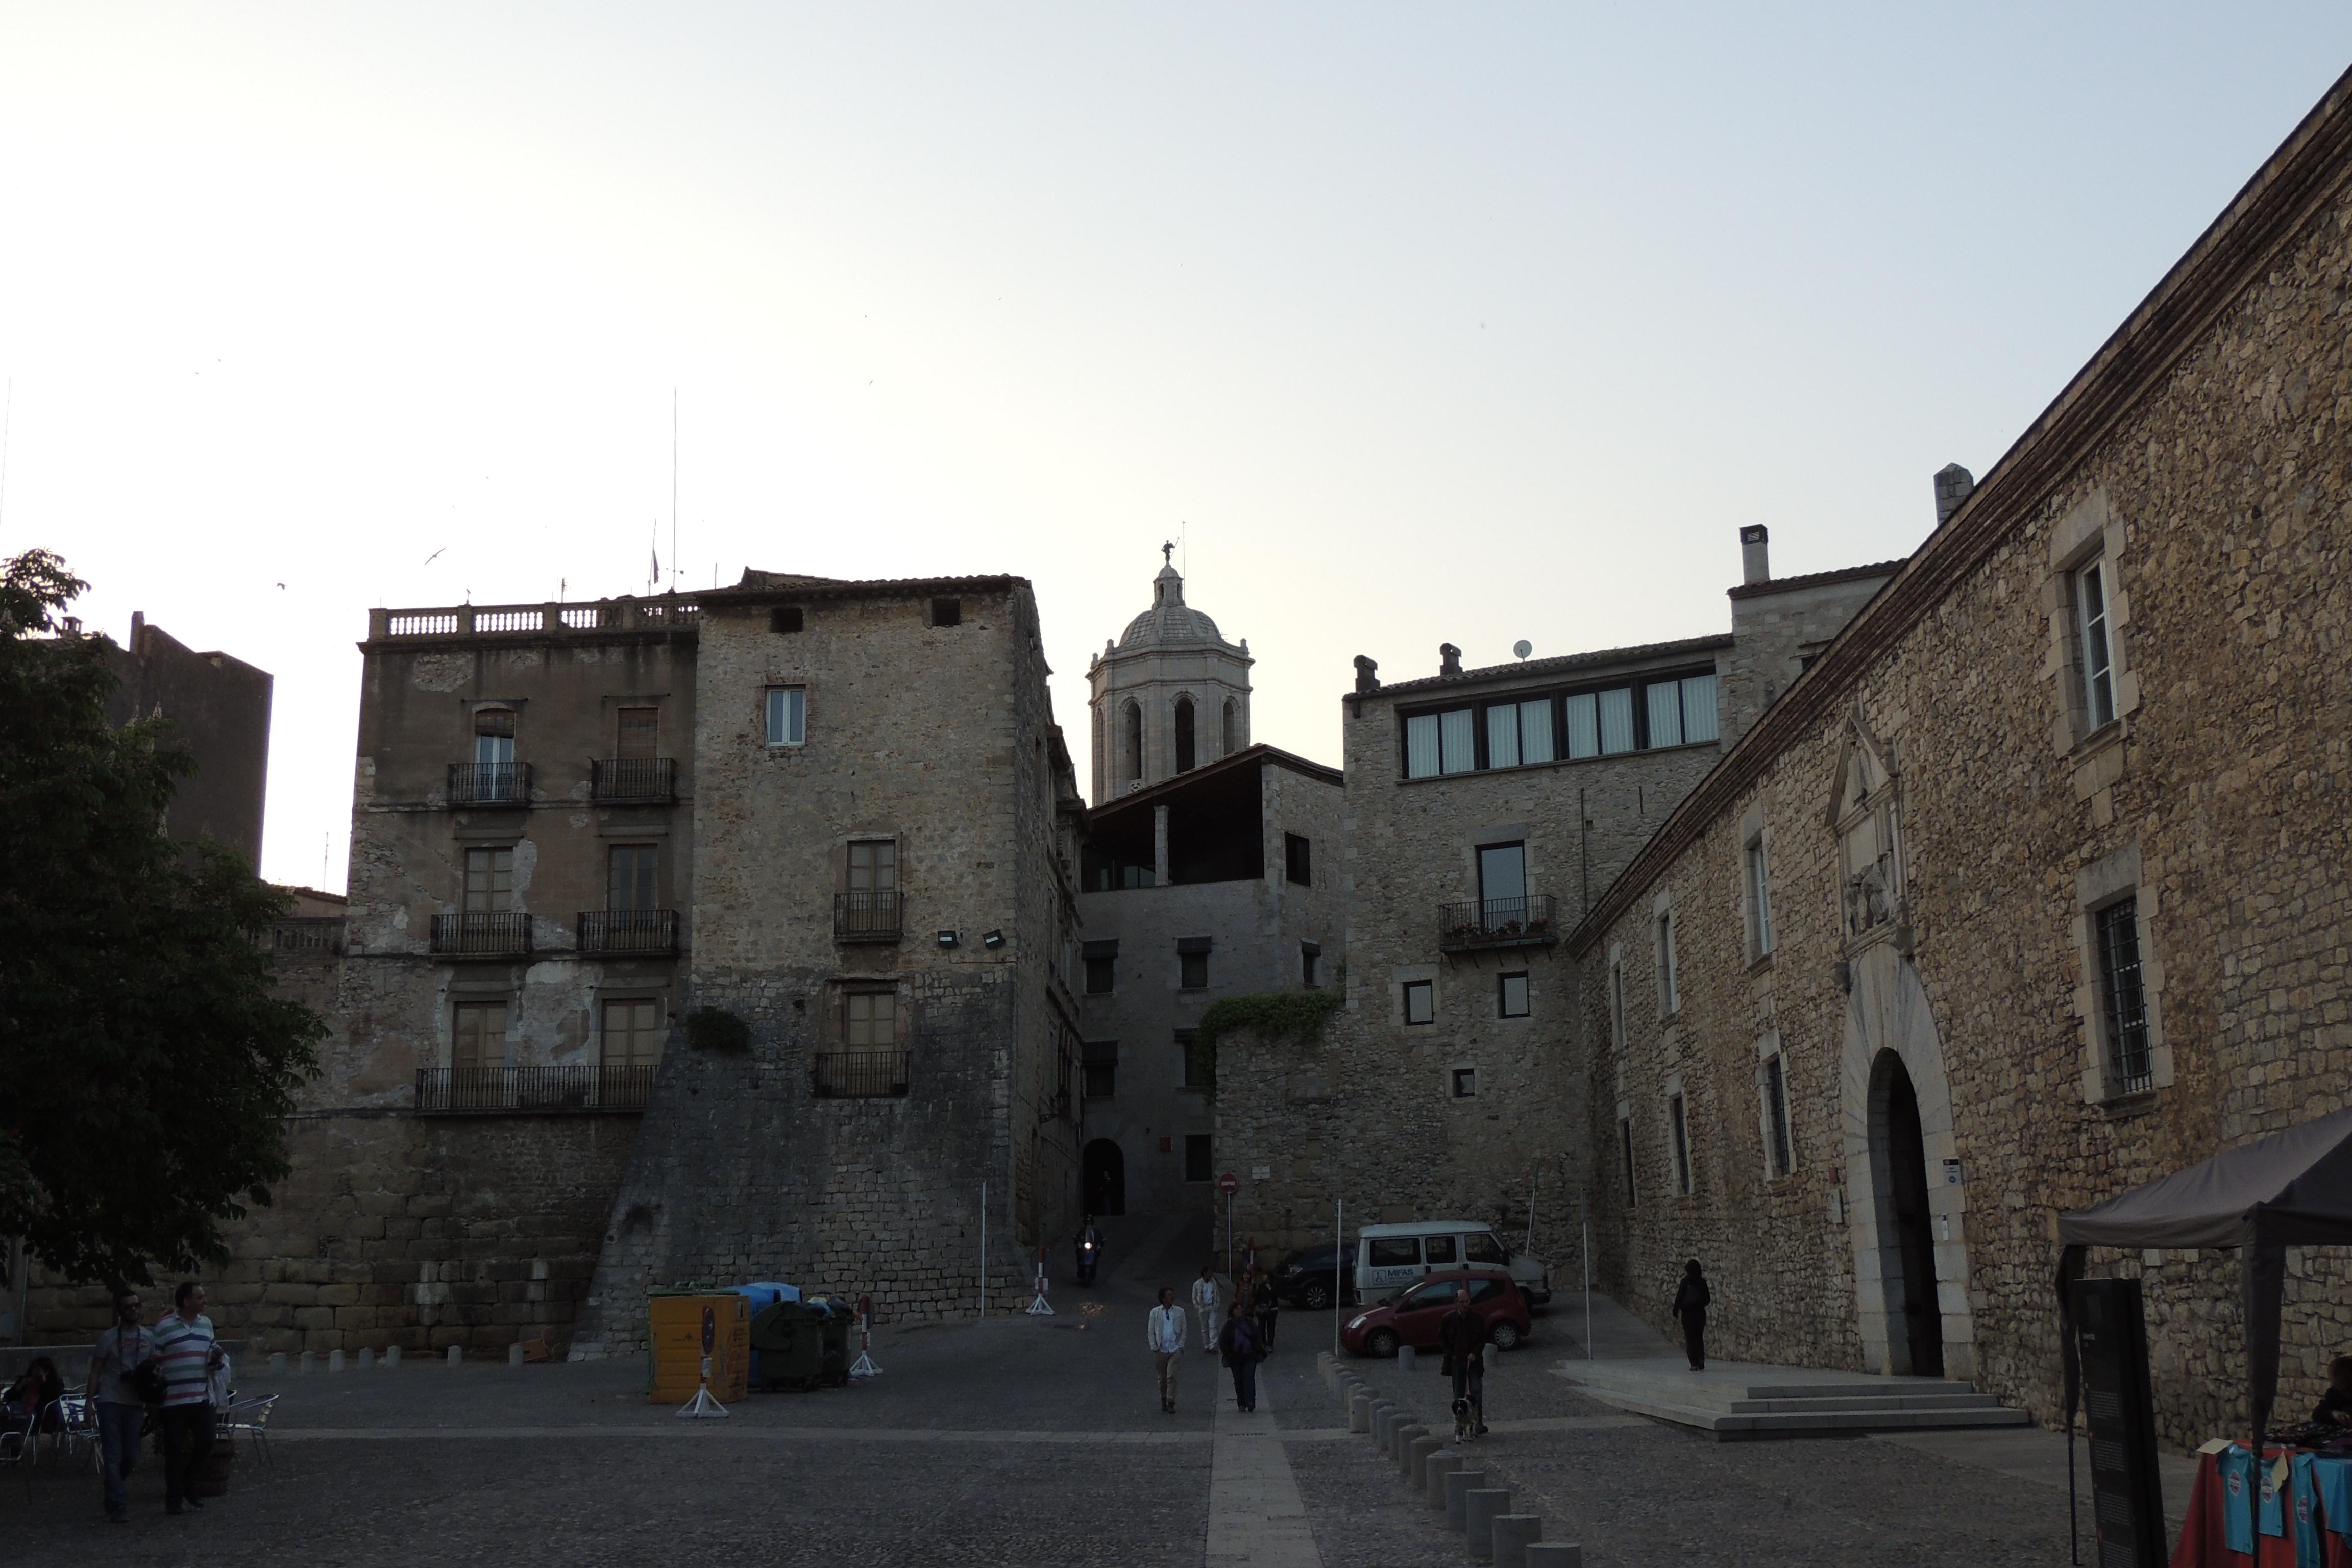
(2203, 457)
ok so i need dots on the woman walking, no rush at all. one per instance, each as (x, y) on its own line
(1690, 1305)
(1267, 1306)
(1237, 1344)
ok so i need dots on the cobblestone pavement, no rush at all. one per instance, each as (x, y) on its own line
(1019, 1440)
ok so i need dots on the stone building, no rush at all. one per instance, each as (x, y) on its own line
(2033, 886)
(1485, 809)
(1170, 695)
(218, 709)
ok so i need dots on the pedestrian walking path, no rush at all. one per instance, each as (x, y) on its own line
(1257, 1518)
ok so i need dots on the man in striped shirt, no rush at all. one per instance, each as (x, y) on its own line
(188, 1352)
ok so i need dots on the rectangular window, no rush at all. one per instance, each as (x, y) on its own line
(1199, 1065)
(869, 1019)
(1466, 1087)
(1503, 736)
(1439, 1251)
(1298, 859)
(947, 611)
(490, 880)
(479, 1042)
(1617, 1001)
(638, 736)
(2123, 1000)
(1535, 731)
(1394, 1252)
(1100, 1078)
(1457, 741)
(1099, 975)
(630, 876)
(1511, 995)
(1192, 971)
(1680, 1128)
(1664, 701)
(873, 865)
(1310, 960)
(1670, 998)
(1200, 1163)
(1420, 746)
(1503, 882)
(1625, 1138)
(494, 747)
(787, 715)
(1759, 899)
(1421, 1001)
(1701, 719)
(633, 1033)
(1616, 720)
(1583, 726)
(1777, 1148)
(786, 620)
(2099, 666)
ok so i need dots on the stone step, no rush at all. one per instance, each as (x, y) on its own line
(1862, 1416)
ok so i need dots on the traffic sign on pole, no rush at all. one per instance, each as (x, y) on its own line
(1229, 1183)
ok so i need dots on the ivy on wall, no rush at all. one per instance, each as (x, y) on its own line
(1270, 1014)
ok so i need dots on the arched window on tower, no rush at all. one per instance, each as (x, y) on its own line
(1130, 745)
(1231, 729)
(1183, 734)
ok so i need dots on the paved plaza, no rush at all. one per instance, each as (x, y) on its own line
(1030, 1441)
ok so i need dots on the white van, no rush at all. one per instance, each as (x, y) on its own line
(1391, 1256)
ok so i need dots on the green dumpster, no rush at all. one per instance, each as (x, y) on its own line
(791, 1338)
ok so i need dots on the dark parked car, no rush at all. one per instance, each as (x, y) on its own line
(1304, 1281)
(1413, 1318)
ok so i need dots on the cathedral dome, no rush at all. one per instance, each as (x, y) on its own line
(1170, 622)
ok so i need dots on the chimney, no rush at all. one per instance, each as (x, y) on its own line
(1449, 660)
(1368, 675)
(1953, 484)
(138, 634)
(1754, 559)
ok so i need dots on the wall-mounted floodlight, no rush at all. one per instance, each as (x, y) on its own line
(947, 939)
(992, 939)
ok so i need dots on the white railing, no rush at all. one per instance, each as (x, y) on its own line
(662, 613)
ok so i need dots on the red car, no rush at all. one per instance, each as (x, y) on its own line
(1411, 1316)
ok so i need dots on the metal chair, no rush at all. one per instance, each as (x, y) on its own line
(250, 1418)
(69, 1423)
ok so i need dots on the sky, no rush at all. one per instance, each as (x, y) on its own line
(1412, 324)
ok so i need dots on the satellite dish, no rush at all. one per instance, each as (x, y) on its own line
(1523, 648)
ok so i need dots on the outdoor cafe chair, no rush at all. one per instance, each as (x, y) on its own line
(69, 1423)
(250, 1418)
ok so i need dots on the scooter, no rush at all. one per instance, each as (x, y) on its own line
(1086, 1250)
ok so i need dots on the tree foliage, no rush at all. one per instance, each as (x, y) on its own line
(146, 1067)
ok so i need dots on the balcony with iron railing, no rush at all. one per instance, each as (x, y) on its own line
(489, 783)
(1496, 922)
(622, 932)
(868, 916)
(481, 934)
(867, 1074)
(532, 1091)
(634, 780)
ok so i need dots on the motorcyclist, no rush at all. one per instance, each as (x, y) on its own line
(1089, 1242)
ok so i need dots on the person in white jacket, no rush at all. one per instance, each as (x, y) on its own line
(1207, 1300)
(1165, 1334)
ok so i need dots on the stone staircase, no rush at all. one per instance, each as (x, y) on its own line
(1734, 1400)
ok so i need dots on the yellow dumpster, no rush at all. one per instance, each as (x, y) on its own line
(677, 1325)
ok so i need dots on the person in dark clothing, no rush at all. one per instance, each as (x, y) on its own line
(2335, 1408)
(1690, 1305)
(1238, 1348)
(35, 1395)
(1462, 1335)
(1265, 1308)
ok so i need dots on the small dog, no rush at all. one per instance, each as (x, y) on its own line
(1466, 1422)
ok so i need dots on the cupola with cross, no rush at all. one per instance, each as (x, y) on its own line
(1170, 695)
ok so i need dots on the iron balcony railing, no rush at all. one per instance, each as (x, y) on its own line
(868, 916)
(481, 933)
(628, 930)
(641, 780)
(306, 934)
(1496, 922)
(489, 783)
(858, 1075)
(532, 1092)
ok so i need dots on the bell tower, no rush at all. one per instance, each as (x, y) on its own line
(1170, 695)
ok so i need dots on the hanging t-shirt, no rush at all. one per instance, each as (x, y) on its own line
(2236, 1468)
(2304, 1497)
(2333, 1478)
(2274, 1510)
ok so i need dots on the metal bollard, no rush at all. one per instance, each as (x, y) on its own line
(277, 1364)
(392, 1356)
(310, 1362)
(1479, 1510)
(1417, 1461)
(1404, 1357)
(1512, 1534)
(1459, 1484)
(335, 1360)
(514, 1355)
(1433, 1472)
(1555, 1554)
(367, 1359)
(1401, 1444)
(455, 1356)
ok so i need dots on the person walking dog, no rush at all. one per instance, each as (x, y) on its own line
(189, 1352)
(114, 1374)
(1165, 1333)
(1462, 1335)
(1206, 1298)
(1690, 1305)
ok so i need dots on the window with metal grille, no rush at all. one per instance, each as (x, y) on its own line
(1776, 1117)
(2124, 1002)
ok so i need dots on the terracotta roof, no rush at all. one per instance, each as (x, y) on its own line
(1816, 578)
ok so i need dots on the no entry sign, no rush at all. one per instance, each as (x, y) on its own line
(1229, 1183)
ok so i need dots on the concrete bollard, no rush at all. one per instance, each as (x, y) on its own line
(392, 1357)
(1512, 1534)
(367, 1360)
(310, 1362)
(1433, 1472)
(1401, 1444)
(1417, 1460)
(1404, 1357)
(1480, 1509)
(1459, 1484)
(1555, 1554)
(1381, 1410)
(514, 1355)
(456, 1355)
(1359, 1413)
(277, 1364)
(335, 1360)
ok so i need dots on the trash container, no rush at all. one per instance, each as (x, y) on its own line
(674, 1318)
(839, 1316)
(790, 1338)
(764, 1293)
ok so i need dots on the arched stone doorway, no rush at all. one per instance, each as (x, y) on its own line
(1102, 1178)
(1898, 1158)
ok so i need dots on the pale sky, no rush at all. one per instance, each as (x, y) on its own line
(1465, 324)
